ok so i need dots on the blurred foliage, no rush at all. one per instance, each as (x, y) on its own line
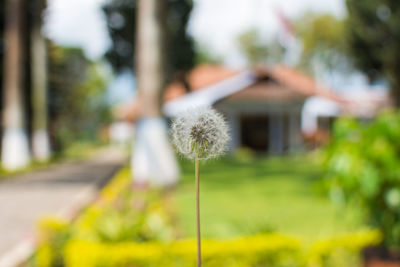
(81, 150)
(121, 23)
(374, 34)
(117, 216)
(77, 97)
(363, 162)
(272, 250)
(253, 47)
(136, 228)
(324, 43)
(258, 50)
(56, 233)
(341, 250)
(262, 250)
(205, 55)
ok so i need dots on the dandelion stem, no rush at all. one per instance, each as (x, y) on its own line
(198, 210)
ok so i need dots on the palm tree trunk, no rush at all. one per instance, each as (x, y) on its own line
(40, 137)
(15, 147)
(149, 57)
(153, 159)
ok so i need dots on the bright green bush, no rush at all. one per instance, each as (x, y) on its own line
(363, 162)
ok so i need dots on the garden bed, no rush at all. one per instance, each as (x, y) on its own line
(126, 228)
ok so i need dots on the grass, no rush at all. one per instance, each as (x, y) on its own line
(244, 197)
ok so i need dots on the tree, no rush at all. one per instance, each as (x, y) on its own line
(258, 50)
(374, 34)
(15, 147)
(77, 97)
(178, 45)
(324, 44)
(153, 159)
(253, 47)
(40, 137)
(205, 55)
(2, 5)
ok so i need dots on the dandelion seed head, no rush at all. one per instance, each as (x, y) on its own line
(202, 131)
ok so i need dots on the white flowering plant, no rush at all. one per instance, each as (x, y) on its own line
(200, 134)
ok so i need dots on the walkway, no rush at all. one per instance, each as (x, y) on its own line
(59, 190)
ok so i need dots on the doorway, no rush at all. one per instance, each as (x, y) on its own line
(255, 132)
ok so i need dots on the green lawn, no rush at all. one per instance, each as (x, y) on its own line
(247, 197)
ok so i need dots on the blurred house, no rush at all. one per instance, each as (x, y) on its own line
(274, 109)
(270, 109)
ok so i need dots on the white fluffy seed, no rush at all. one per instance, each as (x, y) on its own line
(202, 131)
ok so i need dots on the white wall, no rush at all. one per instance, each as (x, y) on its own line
(276, 112)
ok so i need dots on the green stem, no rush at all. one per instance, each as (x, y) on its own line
(198, 210)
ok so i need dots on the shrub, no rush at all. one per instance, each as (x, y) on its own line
(274, 250)
(270, 250)
(363, 162)
(261, 250)
(117, 216)
(53, 234)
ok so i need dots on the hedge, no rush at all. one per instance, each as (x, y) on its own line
(255, 251)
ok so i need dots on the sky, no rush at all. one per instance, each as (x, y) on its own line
(78, 23)
(214, 23)
(217, 23)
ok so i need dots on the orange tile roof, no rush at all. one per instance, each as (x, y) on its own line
(266, 91)
(200, 77)
(297, 81)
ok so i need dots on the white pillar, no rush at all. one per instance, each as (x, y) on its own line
(41, 145)
(15, 149)
(271, 134)
(280, 133)
(295, 134)
(153, 160)
(234, 122)
(276, 134)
